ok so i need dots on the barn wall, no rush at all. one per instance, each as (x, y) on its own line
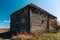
(37, 21)
(19, 21)
(52, 24)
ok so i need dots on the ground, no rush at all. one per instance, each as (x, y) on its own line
(44, 36)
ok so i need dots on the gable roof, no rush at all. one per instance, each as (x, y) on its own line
(34, 6)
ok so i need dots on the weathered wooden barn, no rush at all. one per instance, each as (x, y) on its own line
(31, 18)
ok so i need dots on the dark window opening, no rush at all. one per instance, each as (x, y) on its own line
(42, 22)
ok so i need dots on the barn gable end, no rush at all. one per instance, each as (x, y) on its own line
(30, 19)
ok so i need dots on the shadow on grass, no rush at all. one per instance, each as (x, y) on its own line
(6, 35)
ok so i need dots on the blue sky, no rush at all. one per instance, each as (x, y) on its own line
(7, 7)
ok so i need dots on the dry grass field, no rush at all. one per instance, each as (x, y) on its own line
(4, 30)
(44, 36)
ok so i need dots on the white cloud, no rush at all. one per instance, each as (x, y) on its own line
(6, 21)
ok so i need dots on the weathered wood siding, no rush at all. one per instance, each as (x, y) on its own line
(37, 22)
(52, 24)
(20, 22)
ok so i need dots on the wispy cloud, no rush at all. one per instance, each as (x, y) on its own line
(6, 21)
(5, 24)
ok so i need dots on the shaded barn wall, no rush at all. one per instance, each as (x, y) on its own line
(38, 21)
(52, 23)
(20, 21)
